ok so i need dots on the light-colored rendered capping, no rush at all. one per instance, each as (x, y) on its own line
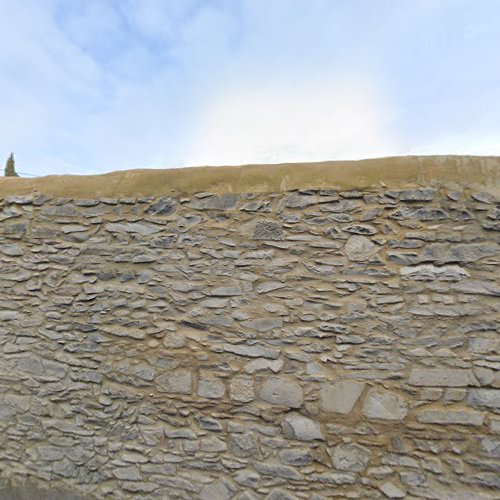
(454, 172)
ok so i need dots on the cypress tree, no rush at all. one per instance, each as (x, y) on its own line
(10, 167)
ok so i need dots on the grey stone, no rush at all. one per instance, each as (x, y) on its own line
(421, 214)
(488, 398)
(430, 272)
(269, 286)
(351, 457)
(490, 446)
(442, 377)
(164, 206)
(74, 228)
(391, 490)
(298, 457)
(211, 388)
(130, 473)
(223, 202)
(335, 478)
(21, 275)
(385, 405)
(227, 291)
(263, 325)
(277, 470)
(342, 206)
(296, 426)
(450, 311)
(12, 250)
(450, 416)
(264, 364)
(247, 478)
(297, 200)
(252, 351)
(282, 391)
(241, 389)
(139, 486)
(280, 494)
(359, 248)
(133, 227)
(50, 453)
(341, 396)
(268, 230)
(245, 445)
(484, 197)
(44, 368)
(177, 382)
(213, 444)
(365, 229)
(421, 194)
(8, 315)
(60, 211)
(444, 253)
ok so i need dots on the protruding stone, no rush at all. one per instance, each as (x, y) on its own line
(298, 457)
(252, 351)
(341, 396)
(241, 389)
(296, 426)
(164, 206)
(131, 473)
(430, 272)
(263, 325)
(364, 229)
(211, 388)
(298, 200)
(351, 457)
(223, 202)
(133, 227)
(385, 405)
(268, 230)
(282, 391)
(359, 248)
(450, 416)
(445, 253)
(218, 490)
(245, 445)
(177, 382)
(264, 364)
(421, 194)
(11, 250)
(489, 398)
(390, 490)
(442, 377)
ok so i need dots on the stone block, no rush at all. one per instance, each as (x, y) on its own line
(385, 405)
(282, 391)
(341, 396)
(176, 382)
(442, 377)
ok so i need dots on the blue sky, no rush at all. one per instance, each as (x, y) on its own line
(91, 86)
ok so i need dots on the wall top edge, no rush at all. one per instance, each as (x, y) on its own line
(453, 172)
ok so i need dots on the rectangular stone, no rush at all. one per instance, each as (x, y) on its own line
(450, 416)
(490, 398)
(442, 377)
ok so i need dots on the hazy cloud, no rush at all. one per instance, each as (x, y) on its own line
(95, 85)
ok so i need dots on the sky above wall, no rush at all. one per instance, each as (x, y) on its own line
(90, 86)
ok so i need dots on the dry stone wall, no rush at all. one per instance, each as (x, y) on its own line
(302, 345)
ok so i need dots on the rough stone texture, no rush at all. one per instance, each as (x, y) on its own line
(386, 405)
(341, 396)
(316, 343)
(282, 391)
(302, 428)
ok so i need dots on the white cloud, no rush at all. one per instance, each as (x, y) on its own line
(313, 120)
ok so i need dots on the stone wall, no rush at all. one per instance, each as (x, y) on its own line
(329, 343)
